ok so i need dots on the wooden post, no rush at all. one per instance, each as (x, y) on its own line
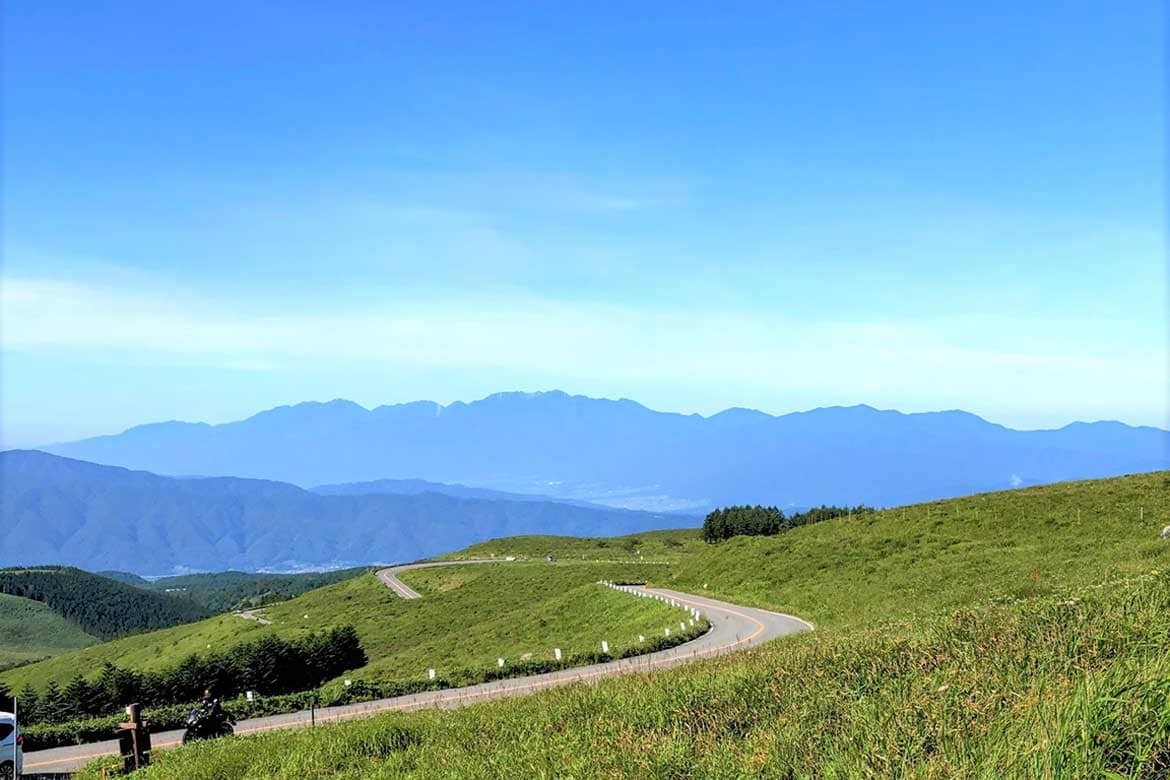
(134, 740)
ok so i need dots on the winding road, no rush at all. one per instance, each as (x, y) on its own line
(733, 628)
(389, 576)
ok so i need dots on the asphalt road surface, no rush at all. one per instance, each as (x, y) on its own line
(732, 628)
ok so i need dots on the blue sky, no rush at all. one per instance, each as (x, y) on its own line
(211, 210)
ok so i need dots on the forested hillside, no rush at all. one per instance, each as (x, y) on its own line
(226, 590)
(101, 607)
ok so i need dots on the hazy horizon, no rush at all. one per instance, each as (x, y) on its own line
(6, 445)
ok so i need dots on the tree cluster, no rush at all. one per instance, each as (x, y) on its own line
(270, 666)
(102, 607)
(767, 520)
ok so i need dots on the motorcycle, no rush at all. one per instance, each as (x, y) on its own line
(203, 723)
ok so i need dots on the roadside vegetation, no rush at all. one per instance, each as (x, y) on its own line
(271, 666)
(470, 617)
(1019, 634)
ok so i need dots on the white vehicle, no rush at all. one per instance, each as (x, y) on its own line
(11, 750)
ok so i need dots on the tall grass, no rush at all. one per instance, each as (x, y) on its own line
(1064, 686)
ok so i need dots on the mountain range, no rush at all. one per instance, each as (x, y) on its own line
(63, 511)
(620, 453)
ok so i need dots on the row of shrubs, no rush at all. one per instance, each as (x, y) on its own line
(40, 736)
(767, 520)
(271, 666)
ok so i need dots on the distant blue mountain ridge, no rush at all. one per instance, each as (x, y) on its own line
(620, 453)
(58, 510)
(414, 487)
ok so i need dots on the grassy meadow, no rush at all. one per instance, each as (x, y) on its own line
(1073, 685)
(1020, 634)
(665, 546)
(32, 630)
(919, 560)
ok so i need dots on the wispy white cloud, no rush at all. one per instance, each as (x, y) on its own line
(902, 364)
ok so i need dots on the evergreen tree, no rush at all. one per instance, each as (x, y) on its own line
(81, 699)
(29, 704)
(52, 707)
(271, 665)
(746, 520)
(117, 688)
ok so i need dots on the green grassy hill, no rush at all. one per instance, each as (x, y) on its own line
(469, 617)
(1021, 634)
(103, 607)
(653, 546)
(30, 630)
(926, 558)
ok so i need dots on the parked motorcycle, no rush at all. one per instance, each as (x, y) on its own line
(204, 723)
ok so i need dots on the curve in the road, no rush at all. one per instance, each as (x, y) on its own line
(248, 614)
(389, 576)
(733, 628)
